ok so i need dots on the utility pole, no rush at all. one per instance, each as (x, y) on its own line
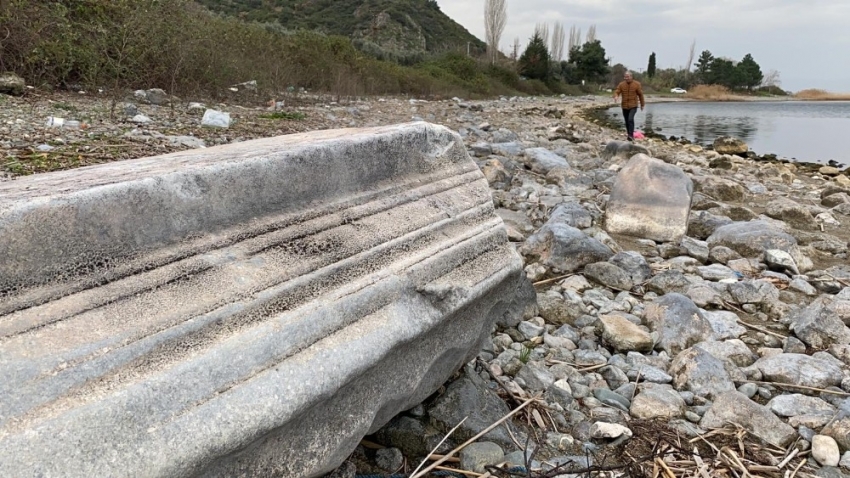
(467, 48)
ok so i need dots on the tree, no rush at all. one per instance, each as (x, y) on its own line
(650, 68)
(749, 72)
(534, 62)
(495, 18)
(616, 75)
(515, 49)
(703, 65)
(591, 34)
(771, 79)
(543, 30)
(558, 38)
(591, 62)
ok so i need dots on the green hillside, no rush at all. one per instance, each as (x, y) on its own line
(398, 26)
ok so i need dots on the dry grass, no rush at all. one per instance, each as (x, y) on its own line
(821, 95)
(711, 92)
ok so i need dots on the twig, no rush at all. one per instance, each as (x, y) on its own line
(445, 458)
(840, 281)
(800, 465)
(417, 473)
(760, 329)
(463, 472)
(665, 468)
(554, 279)
(435, 457)
(801, 387)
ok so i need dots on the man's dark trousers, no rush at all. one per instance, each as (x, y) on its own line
(629, 115)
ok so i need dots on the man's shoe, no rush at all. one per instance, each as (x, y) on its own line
(631, 139)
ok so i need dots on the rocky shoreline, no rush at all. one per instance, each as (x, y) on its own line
(733, 329)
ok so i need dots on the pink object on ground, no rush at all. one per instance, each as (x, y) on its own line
(639, 135)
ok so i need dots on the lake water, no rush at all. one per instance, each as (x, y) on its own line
(807, 131)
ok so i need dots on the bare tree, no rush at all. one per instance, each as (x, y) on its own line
(591, 34)
(542, 29)
(495, 18)
(771, 78)
(691, 55)
(572, 42)
(558, 37)
(515, 47)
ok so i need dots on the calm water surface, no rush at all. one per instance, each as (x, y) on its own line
(809, 131)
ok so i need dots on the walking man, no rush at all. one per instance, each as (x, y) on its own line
(631, 92)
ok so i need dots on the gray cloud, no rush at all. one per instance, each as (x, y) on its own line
(806, 41)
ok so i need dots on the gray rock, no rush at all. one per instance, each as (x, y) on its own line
(724, 323)
(650, 199)
(634, 264)
(561, 393)
(504, 135)
(730, 145)
(748, 389)
(700, 372)
(793, 345)
(751, 239)
(495, 172)
(803, 286)
(753, 292)
(221, 324)
(530, 330)
(695, 248)
(481, 149)
(669, 281)
(845, 460)
(609, 430)
(12, 84)
(511, 148)
(622, 149)
(780, 261)
(611, 399)
(734, 407)
(475, 456)
(825, 450)
(799, 369)
(614, 377)
(406, 434)
(679, 322)
(651, 374)
(140, 119)
(564, 248)
(623, 335)
(836, 200)
(536, 378)
(468, 397)
(720, 189)
(794, 404)
(188, 141)
(839, 429)
(733, 351)
(609, 275)
(657, 401)
(558, 310)
(215, 119)
(791, 212)
(704, 295)
(830, 472)
(572, 214)
(819, 325)
(541, 160)
(716, 272)
(702, 224)
(389, 459)
(722, 255)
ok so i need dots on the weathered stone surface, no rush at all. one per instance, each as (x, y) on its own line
(720, 189)
(799, 369)
(734, 407)
(609, 275)
(724, 324)
(780, 261)
(679, 322)
(242, 307)
(730, 145)
(700, 372)
(12, 84)
(702, 224)
(657, 401)
(622, 149)
(564, 248)
(623, 335)
(572, 214)
(791, 212)
(751, 239)
(733, 351)
(634, 264)
(478, 455)
(650, 199)
(795, 404)
(825, 450)
(541, 160)
(840, 430)
(819, 324)
(557, 309)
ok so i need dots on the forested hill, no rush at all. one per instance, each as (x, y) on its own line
(401, 26)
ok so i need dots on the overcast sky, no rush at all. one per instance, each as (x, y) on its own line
(808, 42)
